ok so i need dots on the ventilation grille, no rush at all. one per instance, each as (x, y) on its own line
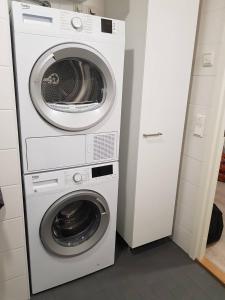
(104, 146)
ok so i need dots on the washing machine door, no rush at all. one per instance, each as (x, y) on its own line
(75, 223)
(72, 86)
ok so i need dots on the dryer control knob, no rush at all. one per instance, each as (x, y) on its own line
(77, 177)
(76, 23)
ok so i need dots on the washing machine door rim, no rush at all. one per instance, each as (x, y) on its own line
(47, 235)
(73, 116)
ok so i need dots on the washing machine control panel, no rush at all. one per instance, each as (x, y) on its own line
(93, 174)
(81, 177)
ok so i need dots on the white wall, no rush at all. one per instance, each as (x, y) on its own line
(96, 6)
(122, 10)
(13, 259)
(203, 100)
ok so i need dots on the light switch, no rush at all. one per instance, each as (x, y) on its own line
(208, 60)
(200, 125)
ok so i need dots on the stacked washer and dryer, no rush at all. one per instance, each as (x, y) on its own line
(69, 74)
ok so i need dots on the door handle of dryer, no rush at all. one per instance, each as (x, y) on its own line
(146, 135)
(1, 199)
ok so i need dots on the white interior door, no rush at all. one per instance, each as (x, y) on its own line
(168, 62)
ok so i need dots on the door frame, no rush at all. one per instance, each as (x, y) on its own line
(214, 147)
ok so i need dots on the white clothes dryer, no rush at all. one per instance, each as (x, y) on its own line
(71, 222)
(69, 74)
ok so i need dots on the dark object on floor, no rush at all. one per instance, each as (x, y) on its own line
(158, 271)
(221, 176)
(216, 226)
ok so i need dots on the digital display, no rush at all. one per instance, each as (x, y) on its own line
(106, 25)
(102, 171)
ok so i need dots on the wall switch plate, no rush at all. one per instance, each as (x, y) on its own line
(208, 60)
(200, 125)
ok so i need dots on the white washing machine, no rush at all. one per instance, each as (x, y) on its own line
(71, 221)
(69, 71)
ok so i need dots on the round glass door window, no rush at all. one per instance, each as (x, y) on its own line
(74, 223)
(72, 86)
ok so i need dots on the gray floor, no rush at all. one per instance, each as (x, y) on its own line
(158, 271)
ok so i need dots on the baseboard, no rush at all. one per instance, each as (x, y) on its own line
(213, 269)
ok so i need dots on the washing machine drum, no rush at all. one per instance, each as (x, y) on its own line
(72, 86)
(74, 223)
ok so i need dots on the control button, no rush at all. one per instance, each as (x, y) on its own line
(76, 23)
(77, 177)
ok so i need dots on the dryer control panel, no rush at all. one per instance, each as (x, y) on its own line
(33, 19)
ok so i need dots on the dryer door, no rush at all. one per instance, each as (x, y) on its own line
(75, 223)
(72, 86)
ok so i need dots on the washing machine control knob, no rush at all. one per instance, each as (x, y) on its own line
(77, 177)
(76, 23)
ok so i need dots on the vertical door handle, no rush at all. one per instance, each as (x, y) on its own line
(1, 199)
